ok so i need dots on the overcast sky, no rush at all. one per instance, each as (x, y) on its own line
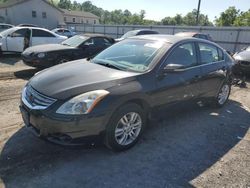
(158, 9)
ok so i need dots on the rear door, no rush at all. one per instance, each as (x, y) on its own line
(181, 84)
(42, 37)
(15, 41)
(213, 68)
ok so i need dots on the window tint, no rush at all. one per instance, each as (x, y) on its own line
(41, 33)
(201, 36)
(184, 54)
(101, 41)
(67, 32)
(150, 32)
(19, 33)
(221, 55)
(208, 53)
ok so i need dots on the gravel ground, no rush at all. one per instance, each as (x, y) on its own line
(194, 147)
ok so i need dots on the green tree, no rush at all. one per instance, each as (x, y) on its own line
(65, 4)
(228, 17)
(243, 19)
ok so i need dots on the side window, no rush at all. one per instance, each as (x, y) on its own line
(89, 42)
(41, 33)
(99, 41)
(67, 32)
(184, 54)
(208, 53)
(19, 33)
(221, 54)
(59, 31)
(107, 42)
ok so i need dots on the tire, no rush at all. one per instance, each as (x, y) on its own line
(222, 95)
(122, 132)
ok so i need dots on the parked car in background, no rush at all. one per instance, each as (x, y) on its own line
(195, 34)
(64, 32)
(76, 47)
(113, 94)
(4, 26)
(17, 39)
(137, 32)
(27, 25)
(242, 60)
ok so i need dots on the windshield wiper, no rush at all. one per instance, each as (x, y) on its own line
(109, 65)
(65, 44)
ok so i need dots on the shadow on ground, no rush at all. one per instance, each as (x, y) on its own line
(10, 59)
(173, 151)
(26, 73)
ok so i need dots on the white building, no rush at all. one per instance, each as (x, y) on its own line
(41, 13)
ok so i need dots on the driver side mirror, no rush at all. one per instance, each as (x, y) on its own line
(172, 67)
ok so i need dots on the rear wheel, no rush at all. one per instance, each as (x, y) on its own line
(125, 127)
(223, 94)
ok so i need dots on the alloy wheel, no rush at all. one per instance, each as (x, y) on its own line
(128, 128)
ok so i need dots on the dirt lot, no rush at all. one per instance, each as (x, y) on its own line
(195, 147)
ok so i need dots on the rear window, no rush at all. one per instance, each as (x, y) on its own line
(41, 33)
(208, 53)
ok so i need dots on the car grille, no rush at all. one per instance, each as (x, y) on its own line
(35, 100)
(247, 63)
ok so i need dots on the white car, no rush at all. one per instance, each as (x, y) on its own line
(12, 40)
(4, 26)
(64, 32)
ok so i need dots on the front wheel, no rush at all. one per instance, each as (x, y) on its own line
(125, 127)
(223, 94)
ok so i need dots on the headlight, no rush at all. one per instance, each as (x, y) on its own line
(41, 55)
(82, 104)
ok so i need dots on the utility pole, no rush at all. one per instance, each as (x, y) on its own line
(198, 12)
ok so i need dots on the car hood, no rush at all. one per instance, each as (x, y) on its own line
(46, 48)
(76, 77)
(242, 56)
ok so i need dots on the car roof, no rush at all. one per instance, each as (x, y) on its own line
(189, 33)
(6, 24)
(172, 39)
(94, 35)
(163, 38)
(27, 27)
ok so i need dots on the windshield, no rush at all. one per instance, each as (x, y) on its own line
(75, 41)
(8, 31)
(130, 55)
(129, 34)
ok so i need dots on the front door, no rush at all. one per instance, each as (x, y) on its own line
(15, 41)
(181, 84)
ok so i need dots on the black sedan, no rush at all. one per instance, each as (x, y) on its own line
(113, 95)
(77, 47)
